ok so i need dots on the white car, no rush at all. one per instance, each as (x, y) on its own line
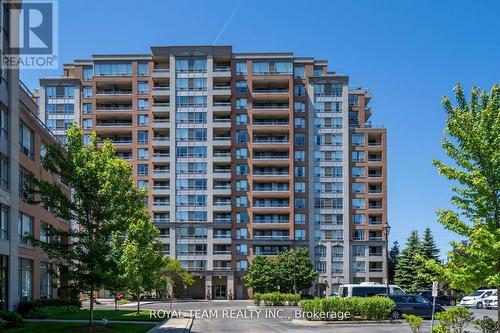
(491, 302)
(476, 299)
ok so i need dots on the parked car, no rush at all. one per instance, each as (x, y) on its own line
(440, 299)
(491, 302)
(367, 289)
(412, 304)
(476, 299)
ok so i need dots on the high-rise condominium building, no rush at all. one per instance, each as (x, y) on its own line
(242, 154)
(25, 271)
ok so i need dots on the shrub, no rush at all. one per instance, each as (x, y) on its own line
(3, 323)
(375, 308)
(440, 329)
(369, 308)
(52, 311)
(257, 298)
(10, 318)
(486, 325)
(25, 308)
(415, 322)
(455, 320)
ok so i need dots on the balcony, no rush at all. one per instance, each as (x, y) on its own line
(270, 140)
(221, 71)
(161, 141)
(271, 204)
(272, 237)
(161, 107)
(222, 90)
(270, 156)
(114, 107)
(107, 92)
(161, 123)
(161, 91)
(265, 122)
(274, 106)
(273, 187)
(114, 123)
(161, 73)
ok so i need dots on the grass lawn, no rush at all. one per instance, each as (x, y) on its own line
(110, 315)
(74, 328)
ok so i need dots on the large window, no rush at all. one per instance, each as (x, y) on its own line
(4, 172)
(45, 280)
(4, 124)
(26, 140)
(4, 223)
(25, 228)
(241, 68)
(87, 73)
(25, 184)
(3, 282)
(25, 280)
(113, 69)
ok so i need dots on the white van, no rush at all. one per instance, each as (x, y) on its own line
(367, 289)
(476, 299)
(491, 302)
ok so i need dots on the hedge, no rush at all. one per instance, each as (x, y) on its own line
(276, 299)
(10, 319)
(335, 308)
(52, 311)
(26, 308)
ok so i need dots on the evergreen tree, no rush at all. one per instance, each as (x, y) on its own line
(429, 247)
(407, 265)
(393, 259)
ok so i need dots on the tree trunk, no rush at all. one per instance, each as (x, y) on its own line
(498, 308)
(116, 303)
(138, 302)
(91, 317)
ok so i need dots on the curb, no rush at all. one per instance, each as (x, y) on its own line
(189, 325)
(304, 322)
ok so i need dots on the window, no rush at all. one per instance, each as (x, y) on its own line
(142, 68)
(260, 68)
(300, 203)
(142, 169)
(358, 140)
(358, 219)
(300, 156)
(300, 234)
(44, 236)
(4, 124)
(358, 187)
(359, 250)
(142, 120)
(299, 90)
(142, 184)
(241, 119)
(242, 169)
(300, 187)
(87, 123)
(242, 153)
(241, 103)
(142, 104)
(358, 172)
(353, 100)
(300, 171)
(359, 267)
(26, 140)
(241, 86)
(299, 71)
(142, 153)
(86, 139)
(4, 222)
(318, 71)
(300, 218)
(87, 108)
(242, 249)
(142, 87)
(87, 92)
(45, 280)
(25, 280)
(358, 203)
(300, 123)
(113, 69)
(241, 217)
(242, 265)
(4, 172)
(241, 68)
(241, 136)
(241, 185)
(25, 184)
(300, 140)
(142, 137)
(358, 156)
(241, 233)
(25, 228)
(299, 106)
(87, 73)
(283, 67)
(241, 201)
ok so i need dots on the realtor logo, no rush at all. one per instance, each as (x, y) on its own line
(32, 34)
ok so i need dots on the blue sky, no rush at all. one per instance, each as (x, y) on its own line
(408, 53)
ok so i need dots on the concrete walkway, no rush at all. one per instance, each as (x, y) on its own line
(174, 325)
(83, 321)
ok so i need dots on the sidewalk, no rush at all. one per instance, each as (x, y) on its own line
(174, 325)
(97, 321)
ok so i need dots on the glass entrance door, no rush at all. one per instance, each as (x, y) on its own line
(220, 291)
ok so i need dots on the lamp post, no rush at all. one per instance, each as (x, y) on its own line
(387, 230)
(294, 284)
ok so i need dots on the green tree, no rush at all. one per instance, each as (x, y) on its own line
(173, 273)
(429, 247)
(472, 141)
(393, 260)
(407, 265)
(104, 202)
(294, 270)
(261, 275)
(139, 258)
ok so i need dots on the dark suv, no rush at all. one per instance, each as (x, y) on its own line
(412, 304)
(440, 299)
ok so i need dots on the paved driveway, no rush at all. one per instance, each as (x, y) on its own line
(243, 317)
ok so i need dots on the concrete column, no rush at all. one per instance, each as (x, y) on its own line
(208, 287)
(230, 286)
